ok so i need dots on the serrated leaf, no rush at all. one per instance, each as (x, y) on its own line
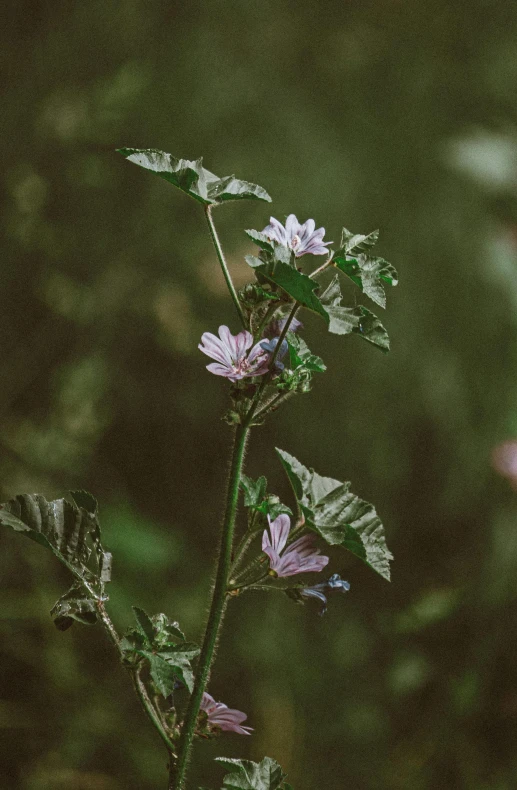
(338, 516)
(353, 320)
(74, 605)
(192, 178)
(261, 240)
(368, 274)
(297, 285)
(163, 674)
(70, 531)
(253, 261)
(144, 623)
(247, 775)
(301, 356)
(354, 243)
(254, 490)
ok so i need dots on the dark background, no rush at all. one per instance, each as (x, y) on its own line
(392, 114)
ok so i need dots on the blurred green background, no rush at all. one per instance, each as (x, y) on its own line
(392, 114)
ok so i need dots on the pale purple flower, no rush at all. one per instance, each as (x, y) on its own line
(302, 556)
(225, 718)
(301, 239)
(270, 346)
(236, 359)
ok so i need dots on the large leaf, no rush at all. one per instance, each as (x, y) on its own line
(71, 532)
(338, 516)
(294, 283)
(368, 274)
(194, 179)
(247, 775)
(353, 320)
(354, 243)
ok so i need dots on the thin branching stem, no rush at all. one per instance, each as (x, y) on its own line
(224, 266)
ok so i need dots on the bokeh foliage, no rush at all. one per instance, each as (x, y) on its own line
(370, 114)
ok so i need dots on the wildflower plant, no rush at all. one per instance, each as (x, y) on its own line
(266, 361)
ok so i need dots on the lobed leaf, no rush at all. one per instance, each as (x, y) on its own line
(247, 775)
(353, 320)
(301, 356)
(338, 516)
(192, 178)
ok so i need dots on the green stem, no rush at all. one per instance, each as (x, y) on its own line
(217, 608)
(265, 321)
(224, 266)
(273, 404)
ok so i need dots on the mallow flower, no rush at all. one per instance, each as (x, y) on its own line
(236, 359)
(302, 556)
(335, 582)
(301, 239)
(225, 718)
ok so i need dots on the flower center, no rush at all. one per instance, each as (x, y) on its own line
(295, 243)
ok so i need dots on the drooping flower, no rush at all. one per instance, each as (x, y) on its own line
(301, 239)
(335, 582)
(236, 359)
(302, 556)
(225, 718)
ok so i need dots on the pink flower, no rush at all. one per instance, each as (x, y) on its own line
(223, 717)
(302, 556)
(234, 358)
(301, 239)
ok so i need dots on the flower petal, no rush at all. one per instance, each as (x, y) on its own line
(279, 529)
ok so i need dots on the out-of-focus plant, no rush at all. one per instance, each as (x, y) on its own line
(265, 364)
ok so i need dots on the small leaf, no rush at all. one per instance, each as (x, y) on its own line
(354, 243)
(194, 179)
(85, 500)
(254, 490)
(162, 673)
(368, 274)
(294, 283)
(300, 355)
(353, 320)
(338, 516)
(247, 775)
(166, 628)
(144, 623)
(261, 240)
(74, 605)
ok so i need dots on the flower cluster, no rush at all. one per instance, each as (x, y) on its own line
(301, 556)
(300, 239)
(222, 717)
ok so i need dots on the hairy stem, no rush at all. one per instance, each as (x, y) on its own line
(215, 617)
(224, 266)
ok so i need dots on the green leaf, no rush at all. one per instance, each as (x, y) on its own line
(144, 623)
(294, 283)
(353, 320)
(338, 516)
(194, 179)
(261, 240)
(74, 605)
(247, 775)
(368, 274)
(166, 628)
(254, 490)
(70, 531)
(301, 356)
(354, 243)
